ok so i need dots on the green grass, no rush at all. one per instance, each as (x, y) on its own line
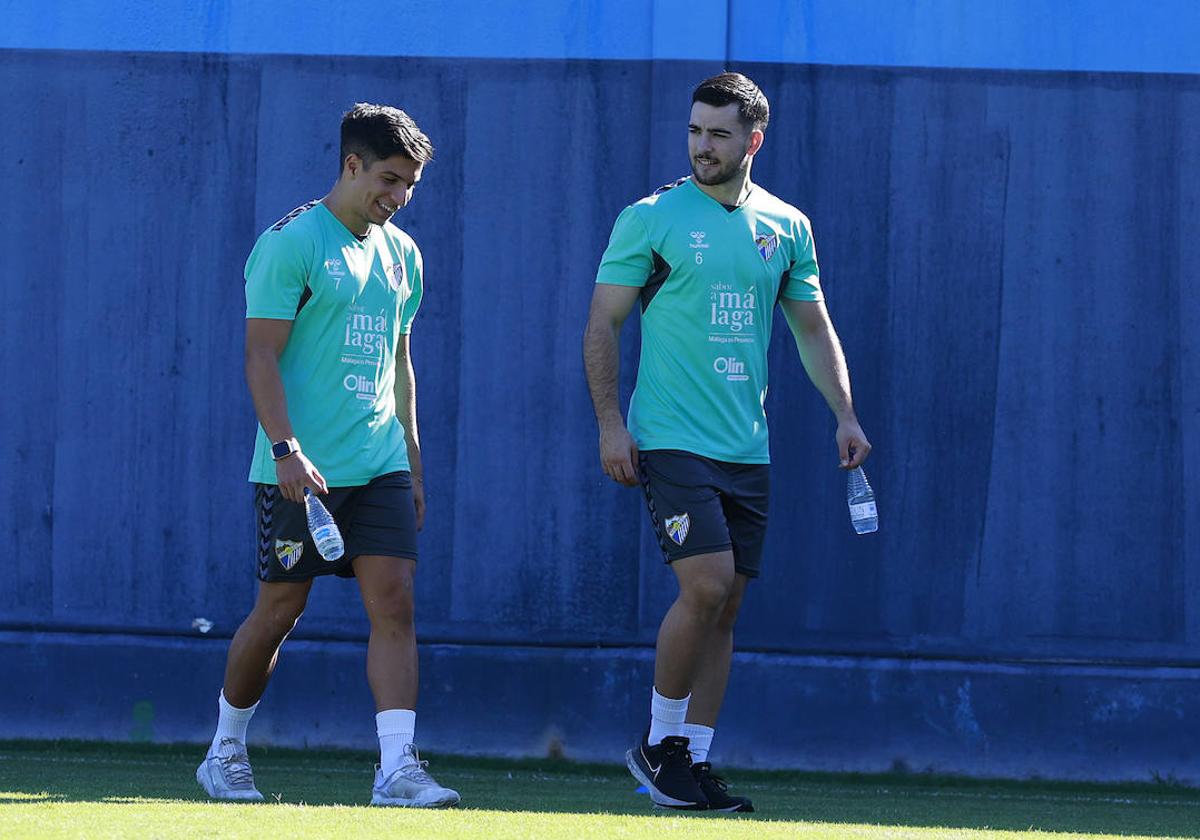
(124, 791)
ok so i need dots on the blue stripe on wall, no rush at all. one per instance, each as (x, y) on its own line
(536, 29)
(1110, 35)
(1089, 35)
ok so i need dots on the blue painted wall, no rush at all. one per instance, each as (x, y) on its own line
(1007, 256)
(1157, 37)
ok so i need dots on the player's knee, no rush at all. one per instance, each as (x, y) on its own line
(392, 604)
(282, 618)
(272, 623)
(278, 616)
(708, 594)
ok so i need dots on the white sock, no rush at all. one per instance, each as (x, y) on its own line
(395, 728)
(699, 740)
(231, 722)
(666, 717)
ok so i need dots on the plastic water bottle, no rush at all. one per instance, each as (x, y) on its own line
(861, 498)
(324, 530)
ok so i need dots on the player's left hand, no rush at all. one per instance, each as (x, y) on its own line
(418, 483)
(853, 446)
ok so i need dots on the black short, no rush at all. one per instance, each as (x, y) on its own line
(701, 506)
(374, 518)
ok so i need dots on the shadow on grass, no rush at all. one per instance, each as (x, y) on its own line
(37, 772)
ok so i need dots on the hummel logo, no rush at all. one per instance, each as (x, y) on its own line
(698, 238)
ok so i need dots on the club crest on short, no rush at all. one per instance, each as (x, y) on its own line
(288, 552)
(677, 527)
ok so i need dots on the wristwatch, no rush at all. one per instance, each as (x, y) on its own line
(284, 448)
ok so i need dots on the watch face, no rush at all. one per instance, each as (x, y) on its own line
(281, 449)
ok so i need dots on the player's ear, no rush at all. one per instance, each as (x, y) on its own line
(352, 166)
(755, 141)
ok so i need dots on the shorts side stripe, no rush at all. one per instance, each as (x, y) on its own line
(645, 479)
(264, 504)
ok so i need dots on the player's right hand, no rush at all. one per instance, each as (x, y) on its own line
(619, 454)
(294, 473)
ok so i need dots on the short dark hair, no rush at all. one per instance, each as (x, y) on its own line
(376, 132)
(735, 89)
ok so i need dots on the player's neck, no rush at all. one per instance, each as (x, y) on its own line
(335, 203)
(731, 193)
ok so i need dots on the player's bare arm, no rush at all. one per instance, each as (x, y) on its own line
(825, 364)
(405, 391)
(265, 340)
(611, 305)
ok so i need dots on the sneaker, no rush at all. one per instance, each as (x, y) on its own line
(666, 771)
(715, 790)
(411, 786)
(226, 774)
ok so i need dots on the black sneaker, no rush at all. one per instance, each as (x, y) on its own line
(715, 790)
(666, 771)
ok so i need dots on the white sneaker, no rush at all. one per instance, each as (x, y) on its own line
(411, 786)
(226, 774)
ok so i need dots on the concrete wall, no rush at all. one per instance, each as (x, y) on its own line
(1006, 253)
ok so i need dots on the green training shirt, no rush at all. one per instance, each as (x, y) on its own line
(349, 301)
(710, 279)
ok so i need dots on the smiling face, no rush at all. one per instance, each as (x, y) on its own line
(376, 190)
(720, 145)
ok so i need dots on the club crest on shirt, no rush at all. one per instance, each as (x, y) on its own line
(397, 276)
(288, 553)
(768, 244)
(677, 527)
